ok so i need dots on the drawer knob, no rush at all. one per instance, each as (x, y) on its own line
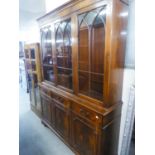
(97, 117)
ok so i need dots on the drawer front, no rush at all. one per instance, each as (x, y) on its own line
(61, 100)
(55, 97)
(87, 114)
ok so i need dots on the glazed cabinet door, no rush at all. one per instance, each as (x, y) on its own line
(61, 121)
(63, 53)
(91, 45)
(84, 136)
(47, 58)
(46, 109)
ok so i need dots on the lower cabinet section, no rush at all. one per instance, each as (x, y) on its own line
(87, 132)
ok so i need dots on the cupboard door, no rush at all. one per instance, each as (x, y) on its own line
(64, 53)
(84, 137)
(61, 121)
(91, 52)
(46, 109)
(47, 59)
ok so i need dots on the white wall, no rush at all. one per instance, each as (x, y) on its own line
(29, 11)
(52, 4)
(129, 73)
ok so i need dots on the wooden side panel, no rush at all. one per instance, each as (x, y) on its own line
(110, 137)
(116, 33)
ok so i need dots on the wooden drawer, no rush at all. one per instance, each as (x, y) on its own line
(87, 114)
(61, 100)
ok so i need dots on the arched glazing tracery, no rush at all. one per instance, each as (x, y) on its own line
(91, 52)
(64, 53)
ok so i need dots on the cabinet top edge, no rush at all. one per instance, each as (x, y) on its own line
(97, 108)
(66, 6)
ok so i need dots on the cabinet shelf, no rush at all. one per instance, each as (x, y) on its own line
(64, 68)
(47, 65)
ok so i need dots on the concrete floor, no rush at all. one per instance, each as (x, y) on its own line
(34, 138)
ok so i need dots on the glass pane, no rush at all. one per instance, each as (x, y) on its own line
(84, 82)
(91, 53)
(32, 52)
(83, 50)
(64, 54)
(27, 54)
(86, 19)
(28, 65)
(97, 52)
(31, 88)
(90, 17)
(47, 55)
(35, 80)
(65, 78)
(81, 17)
(37, 98)
(48, 73)
(67, 47)
(33, 66)
(96, 86)
(47, 47)
(59, 42)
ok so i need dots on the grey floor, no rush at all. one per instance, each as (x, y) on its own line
(34, 138)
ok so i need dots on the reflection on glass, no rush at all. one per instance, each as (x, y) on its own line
(91, 53)
(65, 78)
(64, 53)
(28, 65)
(34, 90)
(47, 47)
(37, 98)
(47, 54)
(26, 53)
(32, 52)
(48, 73)
(33, 66)
(35, 80)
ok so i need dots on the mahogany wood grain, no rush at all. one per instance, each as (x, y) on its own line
(87, 118)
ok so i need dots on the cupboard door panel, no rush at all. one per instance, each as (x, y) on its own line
(84, 138)
(61, 121)
(46, 109)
